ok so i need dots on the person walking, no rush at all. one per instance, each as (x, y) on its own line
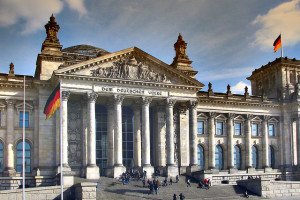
(171, 181)
(181, 196)
(177, 178)
(174, 197)
(188, 183)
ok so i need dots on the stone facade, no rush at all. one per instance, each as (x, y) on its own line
(127, 109)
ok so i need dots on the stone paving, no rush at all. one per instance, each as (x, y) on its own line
(109, 188)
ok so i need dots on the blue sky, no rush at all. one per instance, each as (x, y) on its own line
(226, 39)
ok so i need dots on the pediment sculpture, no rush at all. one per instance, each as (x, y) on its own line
(130, 68)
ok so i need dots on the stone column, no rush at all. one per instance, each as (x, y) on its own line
(230, 145)
(265, 142)
(211, 140)
(160, 127)
(9, 164)
(146, 147)
(172, 170)
(193, 138)
(92, 170)
(110, 135)
(118, 147)
(137, 136)
(248, 143)
(298, 140)
(64, 104)
(36, 138)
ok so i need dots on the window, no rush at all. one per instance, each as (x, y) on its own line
(219, 157)
(219, 128)
(237, 157)
(200, 127)
(238, 128)
(1, 157)
(254, 157)
(271, 157)
(26, 119)
(201, 157)
(19, 164)
(254, 129)
(271, 130)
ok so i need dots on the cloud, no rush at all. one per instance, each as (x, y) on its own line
(285, 19)
(34, 13)
(239, 88)
(77, 5)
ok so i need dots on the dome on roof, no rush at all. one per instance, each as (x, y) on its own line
(87, 50)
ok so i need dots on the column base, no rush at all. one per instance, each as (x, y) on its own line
(250, 169)
(68, 179)
(66, 168)
(149, 169)
(172, 171)
(267, 169)
(9, 172)
(118, 170)
(192, 168)
(233, 170)
(92, 172)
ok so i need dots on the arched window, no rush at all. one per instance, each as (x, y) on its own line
(201, 157)
(237, 157)
(219, 157)
(254, 157)
(19, 164)
(271, 157)
(1, 157)
(127, 136)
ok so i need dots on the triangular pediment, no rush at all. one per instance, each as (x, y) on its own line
(130, 64)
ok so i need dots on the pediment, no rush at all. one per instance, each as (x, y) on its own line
(130, 64)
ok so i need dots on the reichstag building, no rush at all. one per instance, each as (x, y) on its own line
(128, 109)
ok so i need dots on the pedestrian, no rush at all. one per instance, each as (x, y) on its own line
(246, 194)
(144, 182)
(165, 182)
(177, 178)
(174, 197)
(188, 183)
(145, 174)
(171, 181)
(181, 196)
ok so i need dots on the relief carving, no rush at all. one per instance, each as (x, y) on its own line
(129, 69)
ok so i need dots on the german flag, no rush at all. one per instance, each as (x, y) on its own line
(277, 43)
(53, 102)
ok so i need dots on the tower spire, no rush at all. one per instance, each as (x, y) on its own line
(181, 60)
(51, 40)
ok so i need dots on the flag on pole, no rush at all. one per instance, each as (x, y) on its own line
(53, 102)
(277, 43)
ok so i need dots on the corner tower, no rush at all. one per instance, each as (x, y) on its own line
(51, 56)
(181, 60)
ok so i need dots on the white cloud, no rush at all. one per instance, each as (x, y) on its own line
(285, 19)
(77, 5)
(239, 88)
(34, 13)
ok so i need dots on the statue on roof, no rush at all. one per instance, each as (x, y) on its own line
(11, 68)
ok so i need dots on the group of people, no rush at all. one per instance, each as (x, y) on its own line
(205, 184)
(181, 196)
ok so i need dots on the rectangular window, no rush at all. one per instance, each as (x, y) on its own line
(237, 128)
(271, 130)
(219, 128)
(26, 119)
(200, 127)
(254, 129)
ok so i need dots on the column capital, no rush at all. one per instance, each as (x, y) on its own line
(231, 116)
(146, 100)
(266, 117)
(249, 116)
(171, 102)
(65, 95)
(182, 109)
(212, 114)
(92, 96)
(119, 98)
(193, 104)
(10, 102)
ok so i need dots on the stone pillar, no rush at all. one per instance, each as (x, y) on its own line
(230, 145)
(146, 148)
(248, 144)
(183, 139)
(9, 164)
(265, 142)
(64, 104)
(110, 135)
(118, 147)
(137, 136)
(36, 138)
(172, 170)
(92, 170)
(193, 138)
(211, 141)
(161, 135)
(298, 140)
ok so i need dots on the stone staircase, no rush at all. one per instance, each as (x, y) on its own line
(109, 188)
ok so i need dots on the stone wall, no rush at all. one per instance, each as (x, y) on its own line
(271, 189)
(83, 191)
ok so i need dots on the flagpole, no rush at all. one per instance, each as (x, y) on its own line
(23, 149)
(61, 145)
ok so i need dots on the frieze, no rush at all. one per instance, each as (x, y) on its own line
(130, 68)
